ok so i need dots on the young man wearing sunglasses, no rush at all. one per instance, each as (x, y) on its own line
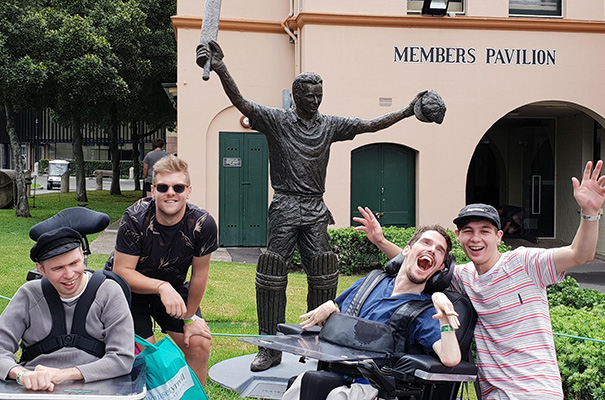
(159, 238)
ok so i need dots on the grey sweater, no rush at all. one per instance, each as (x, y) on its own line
(27, 317)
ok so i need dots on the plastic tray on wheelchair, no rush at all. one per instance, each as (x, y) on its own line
(308, 344)
(126, 387)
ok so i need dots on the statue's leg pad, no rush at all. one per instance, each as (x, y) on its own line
(322, 279)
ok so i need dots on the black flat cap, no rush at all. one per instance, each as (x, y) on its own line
(478, 211)
(54, 243)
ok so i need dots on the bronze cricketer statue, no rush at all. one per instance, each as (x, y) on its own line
(299, 142)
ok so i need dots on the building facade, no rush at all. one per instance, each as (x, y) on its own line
(523, 82)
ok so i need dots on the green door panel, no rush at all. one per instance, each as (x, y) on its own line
(243, 189)
(399, 183)
(383, 177)
(230, 198)
(365, 187)
(254, 215)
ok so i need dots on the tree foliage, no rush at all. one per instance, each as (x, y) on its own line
(92, 62)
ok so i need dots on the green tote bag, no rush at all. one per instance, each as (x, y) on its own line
(168, 375)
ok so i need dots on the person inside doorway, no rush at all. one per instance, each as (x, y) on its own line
(511, 218)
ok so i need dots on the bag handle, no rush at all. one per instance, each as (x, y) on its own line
(145, 343)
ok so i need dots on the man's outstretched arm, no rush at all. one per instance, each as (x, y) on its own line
(590, 195)
(373, 231)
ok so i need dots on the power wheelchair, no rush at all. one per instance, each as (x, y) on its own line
(130, 386)
(395, 375)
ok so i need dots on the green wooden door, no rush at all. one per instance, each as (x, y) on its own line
(383, 177)
(243, 186)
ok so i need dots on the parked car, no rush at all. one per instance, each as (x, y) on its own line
(56, 168)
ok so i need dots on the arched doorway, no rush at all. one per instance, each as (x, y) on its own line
(514, 165)
(383, 177)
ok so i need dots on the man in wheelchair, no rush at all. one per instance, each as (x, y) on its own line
(398, 299)
(71, 324)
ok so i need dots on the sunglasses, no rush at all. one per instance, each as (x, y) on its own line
(178, 188)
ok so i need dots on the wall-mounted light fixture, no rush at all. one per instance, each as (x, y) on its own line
(435, 8)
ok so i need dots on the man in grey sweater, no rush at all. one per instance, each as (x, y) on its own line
(28, 318)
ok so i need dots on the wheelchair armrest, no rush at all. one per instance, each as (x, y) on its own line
(295, 329)
(430, 368)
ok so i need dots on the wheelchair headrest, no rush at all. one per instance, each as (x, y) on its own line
(81, 219)
(436, 283)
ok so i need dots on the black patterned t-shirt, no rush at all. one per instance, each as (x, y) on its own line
(165, 252)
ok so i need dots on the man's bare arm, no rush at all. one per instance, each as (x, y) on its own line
(125, 265)
(590, 195)
(371, 227)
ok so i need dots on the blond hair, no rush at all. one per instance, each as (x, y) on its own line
(171, 164)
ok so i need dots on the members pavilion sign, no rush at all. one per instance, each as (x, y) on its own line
(470, 55)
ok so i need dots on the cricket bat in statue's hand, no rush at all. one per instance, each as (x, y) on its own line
(212, 13)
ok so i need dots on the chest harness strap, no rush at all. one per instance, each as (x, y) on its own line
(401, 320)
(58, 336)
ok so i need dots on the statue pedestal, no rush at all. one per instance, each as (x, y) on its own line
(235, 374)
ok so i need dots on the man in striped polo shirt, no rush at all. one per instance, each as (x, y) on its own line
(515, 346)
(516, 353)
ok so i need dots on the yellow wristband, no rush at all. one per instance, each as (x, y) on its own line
(190, 320)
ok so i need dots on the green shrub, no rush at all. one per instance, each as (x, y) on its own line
(568, 293)
(581, 362)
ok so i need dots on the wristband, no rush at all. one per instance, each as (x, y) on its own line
(190, 320)
(447, 328)
(19, 375)
(592, 218)
(336, 305)
(157, 288)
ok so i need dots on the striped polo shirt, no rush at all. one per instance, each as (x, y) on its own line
(515, 346)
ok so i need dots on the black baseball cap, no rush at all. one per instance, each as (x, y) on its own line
(54, 243)
(478, 211)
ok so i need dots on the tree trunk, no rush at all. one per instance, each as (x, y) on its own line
(115, 154)
(134, 126)
(21, 202)
(79, 160)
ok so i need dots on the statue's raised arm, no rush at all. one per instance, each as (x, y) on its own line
(217, 65)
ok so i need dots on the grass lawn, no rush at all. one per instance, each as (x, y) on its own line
(229, 304)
